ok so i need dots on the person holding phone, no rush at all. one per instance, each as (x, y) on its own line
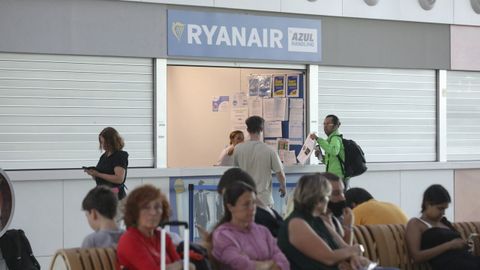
(111, 169)
(432, 237)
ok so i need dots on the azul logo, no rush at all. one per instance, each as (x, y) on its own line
(302, 40)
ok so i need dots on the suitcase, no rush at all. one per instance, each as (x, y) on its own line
(186, 244)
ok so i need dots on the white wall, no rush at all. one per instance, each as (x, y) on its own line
(50, 212)
(443, 11)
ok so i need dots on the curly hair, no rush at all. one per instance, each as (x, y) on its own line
(140, 197)
(113, 140)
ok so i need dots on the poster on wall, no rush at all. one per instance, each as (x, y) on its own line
(279, 86)
(220, 103)
(255, 106)
(292, 86)
(239, 100)
(272, 129)
(264, 85)
(252, 86)
(237, 119)
(275, 109)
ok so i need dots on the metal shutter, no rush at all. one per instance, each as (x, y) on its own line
(463, 115)
(390, 113)
(52, 108)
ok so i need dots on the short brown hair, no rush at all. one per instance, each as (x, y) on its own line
(113, 140)
(140, 197)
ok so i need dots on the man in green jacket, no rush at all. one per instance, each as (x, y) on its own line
(332, 146)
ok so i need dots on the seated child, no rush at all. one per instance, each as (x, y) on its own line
(100, 206)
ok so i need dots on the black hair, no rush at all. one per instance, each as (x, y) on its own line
(334, 118)
(357, 196)
(232, 176)
(435, 194)
(101, 199)
(230, 197)
(330, 176)
(255, 124)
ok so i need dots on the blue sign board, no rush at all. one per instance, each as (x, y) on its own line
(227, 35)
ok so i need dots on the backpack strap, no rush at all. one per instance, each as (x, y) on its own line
(342, 162)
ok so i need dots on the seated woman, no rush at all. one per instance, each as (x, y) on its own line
(139, 246)
(239, 243)
(264, 215)
(308, 242)
(226, 156)
(432, 237)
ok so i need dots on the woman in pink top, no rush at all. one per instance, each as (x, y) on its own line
(239, 243)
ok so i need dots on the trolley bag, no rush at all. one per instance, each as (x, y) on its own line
(186, 244)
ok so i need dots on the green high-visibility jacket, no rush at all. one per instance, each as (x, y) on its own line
(333, 146)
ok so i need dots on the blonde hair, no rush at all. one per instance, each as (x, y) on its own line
(310, 190)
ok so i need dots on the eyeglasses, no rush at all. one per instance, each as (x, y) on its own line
(156, 207)
(328, 124)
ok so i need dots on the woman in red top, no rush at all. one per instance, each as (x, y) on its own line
(139, 246)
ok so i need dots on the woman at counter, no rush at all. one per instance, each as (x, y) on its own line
(226, 156)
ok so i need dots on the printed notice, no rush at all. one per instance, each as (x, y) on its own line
(255, 106)
(273, 129)
(306, 151)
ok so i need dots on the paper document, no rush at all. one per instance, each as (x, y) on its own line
(275, 109)
(255, 106)
(295, 130)
(289, 158)
(307, 150)
(272, 129)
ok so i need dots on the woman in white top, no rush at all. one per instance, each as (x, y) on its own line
(226, 157)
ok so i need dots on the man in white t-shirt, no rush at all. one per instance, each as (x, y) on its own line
(259, 160)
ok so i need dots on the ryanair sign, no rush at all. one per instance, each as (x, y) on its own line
(228, 35)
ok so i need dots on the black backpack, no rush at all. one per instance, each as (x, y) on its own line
(354, 163)
(17, 252)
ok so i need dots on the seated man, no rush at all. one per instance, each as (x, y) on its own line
(367, 210)
(100, 206)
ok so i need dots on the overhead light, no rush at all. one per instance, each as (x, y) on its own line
(427, 4)
(371, 2)
(475, 5)
(312, 0)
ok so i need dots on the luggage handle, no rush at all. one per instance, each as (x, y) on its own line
(186, 244)
(174, 223)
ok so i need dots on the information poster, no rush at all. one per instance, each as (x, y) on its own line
(264, 85)
(275, 109)
(292, 86)
(253, 86)
(279, 86)
(239, 100)
(255, 106)
(220, 104)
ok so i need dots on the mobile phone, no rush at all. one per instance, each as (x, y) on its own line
(88, 168)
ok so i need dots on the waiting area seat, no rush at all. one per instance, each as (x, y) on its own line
(386, 243)
(84, 259)
(383, 243)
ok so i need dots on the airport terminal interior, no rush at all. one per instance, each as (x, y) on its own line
(161, 94)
